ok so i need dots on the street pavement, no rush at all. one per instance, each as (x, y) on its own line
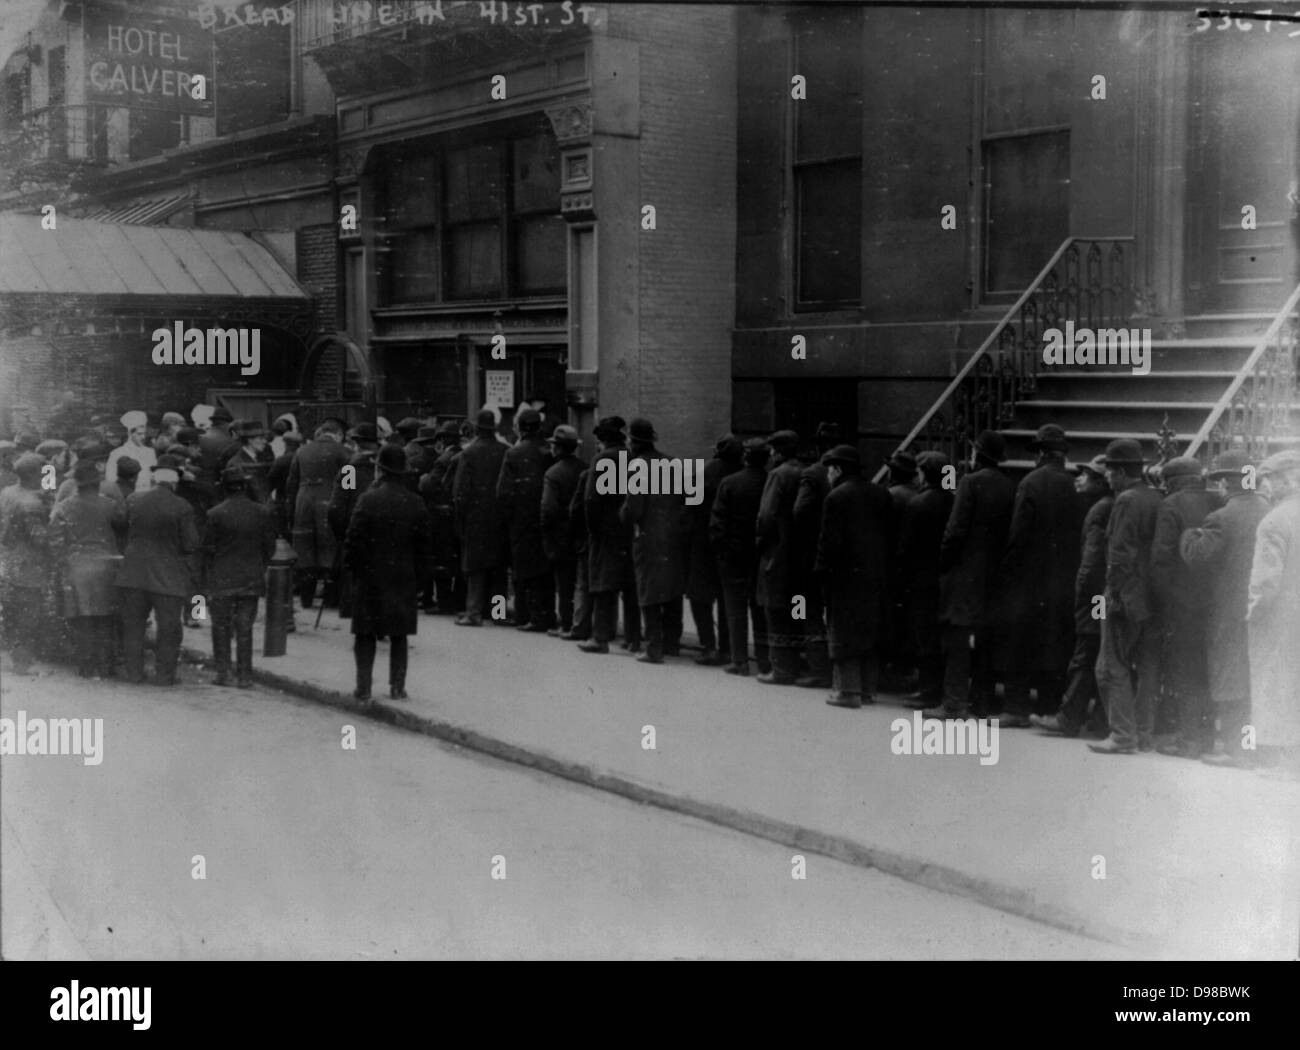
(387, 850)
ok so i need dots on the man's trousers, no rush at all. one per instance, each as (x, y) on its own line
(1128, 676)
(233, 617)
(363, 648)
(742, 608)
(167, 611)
(663, 627)
(566, 578)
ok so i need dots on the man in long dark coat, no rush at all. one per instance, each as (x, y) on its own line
(703, 587)
(733, 523)
(920, 538)
(24, 538)
(779, 579)
(853, 554)
(446, 583)
(609, 548)
(484, 545)
(238, 544)
(251, 451)
(387, 551)
(156, 573)
(311, 482)
(899, 657)
(559, 485)
(1180, 591)
(973, 543)
(1128, 664)
(1038, 574)
(212, 445)
(277, 482)
(83, 546)
(1225, 545)
(1089, 585)
(659, 553)
(356, 477)
(519, 492)
(814, 486)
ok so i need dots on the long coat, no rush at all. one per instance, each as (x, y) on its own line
(702, 583)
(387, 550)
(660, 545)
(24, 535)
(559, 486)
(1129, 534)
(162, 535)
(311, 482)
(483, 541)
(733, 522)
(1273, 615)
(238, 544)
(920, 537)
(83, 542)
(519, 493)
(814, 487)
(1090, 580)
(343, 499)
(277, 486)
(779, 565)
(1225, 545)
(257, 465)
(609, 538)
(1038, 571)
(973, 543)
(1180, 588)
(435, 487)
(852, 562)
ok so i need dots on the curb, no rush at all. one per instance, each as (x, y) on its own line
(915, 869)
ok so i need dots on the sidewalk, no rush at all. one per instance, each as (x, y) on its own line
(1198, 862)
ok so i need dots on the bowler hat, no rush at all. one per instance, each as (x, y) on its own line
(843, 456)
(408, 425)
(991, 445)
(51, 447)
(485, 420)
(528, 418)
(250, 428)
(783, 441)
(364, 431)
(169, 462)
(1279, 463)
(221, 414)
(85, 472)
(1231, 462)
(1123, 452)
(610, 426)
(392, 460)
(29, 465)
(565, 436)
(127, 467)
(188, 435)
(448, 430)
(642, 430)
(728, 447)
(1050, 438)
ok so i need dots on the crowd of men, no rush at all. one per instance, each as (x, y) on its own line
(1151, 606)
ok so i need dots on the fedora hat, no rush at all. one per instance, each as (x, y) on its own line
(364, 431)
(565, 436)
(221, 414)
(392, 460)
(991, 445)
(1050, 438)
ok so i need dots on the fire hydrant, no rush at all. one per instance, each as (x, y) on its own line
(279, 598)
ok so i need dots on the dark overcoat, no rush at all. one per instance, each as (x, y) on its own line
(559, 486)
(519, 493)
(609, 538)
(161, 537)
(435, 487)
(1129, 533)
(660, 543)
(1225, 545)
(578, 515)
(212, 446)
(1038, 571)
(387, 551)
(343, 499)
(277, 485)
(483, 541)
(1090, 580)
(920, 537)
(973, 542)
(311, 483)
(83, 543)
(238, 544)
(779, 564)
(852, 564)
(733, 523)
(1181, 588)
(814, 486)
(702, 583)
(257, 465)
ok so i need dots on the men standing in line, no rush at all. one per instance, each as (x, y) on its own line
(559, 485)
(609, 541)
(155, 574)
(356, 477)
(814, 486)
(446, 591)
(733, 523)
(238, 544)
(899, 657)
(659, 553)
(1273, 612)
(853, 553)
(24, 528)
(519, 493)
(582, 604)
(1089, 585)
(387, 551)
(703, 587)
(1037, 579)
(1225, 544)
(973, 543)
(311, 482)
(277, 481)
(920, 539)
(137, 447)
(779, 584)
(1180, 591)
(1128, 665)
(483, 543)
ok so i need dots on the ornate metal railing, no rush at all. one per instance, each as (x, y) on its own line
(1088, 280)
(1257, 408)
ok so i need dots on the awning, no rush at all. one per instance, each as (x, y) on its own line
(84, 257)
(146, 213)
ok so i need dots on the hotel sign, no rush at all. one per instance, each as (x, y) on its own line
(135, 59)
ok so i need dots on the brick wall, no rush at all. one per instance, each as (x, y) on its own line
(317, 250)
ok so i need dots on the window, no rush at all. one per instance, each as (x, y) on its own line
(474, 198)
(828, 163)
(412, 194)
(539, 229)
(254, 76)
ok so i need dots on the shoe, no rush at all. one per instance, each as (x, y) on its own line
(738, 669)
(469, 621)
(533, 628)
(867, 700)
(361, 694)
(649, 658)
(941, 713)
(917, 702)
(1006, 721)
(1224, 758)
(594, 647)
(221, 679)
(1052, 724)
(576, 636)
(1176, 749)
(772, 678)
(850, 700)
(672, 650)
(244, 682)
(397, 693)
(1145, 743)
(812, 682)
(1109, 747)
(632, 647)
(710, 658)
(559, 632)
(764, 667)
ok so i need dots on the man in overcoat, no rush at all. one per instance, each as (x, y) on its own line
(519, 493)
(387, 551)
(277, 481)
(703, 587)
(974, 540)
(1224, 544)
(311, 482)
(853, 555)
(357, 475)
(814, 486)
(920, 539)
(448, 586)
(484, 545)
(609, 549)
(733, 523)
(559, 485)
(779, 579)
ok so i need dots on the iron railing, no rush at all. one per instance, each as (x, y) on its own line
(1256, 410)
(1088, 280)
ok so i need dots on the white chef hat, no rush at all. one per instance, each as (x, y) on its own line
(202, 414)
(134, 419)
